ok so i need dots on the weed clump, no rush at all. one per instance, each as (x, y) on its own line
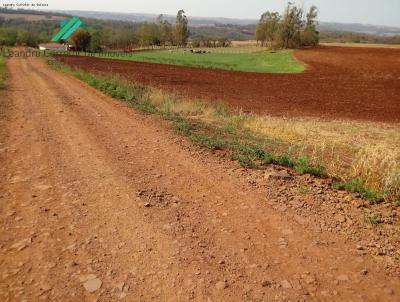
(372, 218)
(357, 186)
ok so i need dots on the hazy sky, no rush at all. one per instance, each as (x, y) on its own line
(380, 12)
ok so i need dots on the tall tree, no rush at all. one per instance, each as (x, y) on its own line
(166, 33)
(181, 31)
(268, 27)
(310, 36)
(148, 34)
(95, 41)
(8, 36)
(81, 40)
(292, 24)
(289, 31)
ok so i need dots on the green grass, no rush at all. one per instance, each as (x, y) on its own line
(358, 186)
(251, 61)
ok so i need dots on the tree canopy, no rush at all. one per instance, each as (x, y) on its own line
(290, 30)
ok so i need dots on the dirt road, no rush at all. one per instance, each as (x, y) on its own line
(340, 83)
(101, 203)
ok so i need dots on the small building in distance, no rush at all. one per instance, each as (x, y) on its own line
(54, 46)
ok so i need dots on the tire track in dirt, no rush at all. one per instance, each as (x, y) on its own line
(101, 190)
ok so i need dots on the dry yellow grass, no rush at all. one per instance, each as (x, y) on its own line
(244, 43)
(347, 149)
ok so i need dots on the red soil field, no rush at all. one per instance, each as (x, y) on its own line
(339, 83)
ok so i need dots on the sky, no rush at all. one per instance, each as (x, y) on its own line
(377, 12)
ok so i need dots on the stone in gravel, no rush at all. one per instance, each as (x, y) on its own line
(309, 279)
(296, 284)
(282, 243)
(10, 213)
(19, 246)
(277, 175)
(340, 218)
(167, 226)
(43, 187)
(280, 207)
(266, 283)
(70, 247)
(342, 278)
(221, 285)
(389, 291)
(286, 284)
(84, 278)
(364, 272)
(120, 285)
(45, 288)
(287, 232)
(92, 285)
(300, 220)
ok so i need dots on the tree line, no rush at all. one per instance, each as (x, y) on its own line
(293, 29)
(159, 33)
(16, 36)
(102, 34)
(290, 30)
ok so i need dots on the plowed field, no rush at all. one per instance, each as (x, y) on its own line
(340, 83)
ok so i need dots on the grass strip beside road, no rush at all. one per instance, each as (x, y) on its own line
(215, 127)
(2, 72)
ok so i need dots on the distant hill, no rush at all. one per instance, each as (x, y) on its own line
(241, 29)
(215, 21)
(29, 17)
(138, 17)
(359, 28)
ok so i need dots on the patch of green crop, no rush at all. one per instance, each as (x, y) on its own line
(357, 186)
(212, 143)
(284, 160)
(244, 160)
(252, 61)
(303, 166)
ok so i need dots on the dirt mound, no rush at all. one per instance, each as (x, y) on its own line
(350, 83)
